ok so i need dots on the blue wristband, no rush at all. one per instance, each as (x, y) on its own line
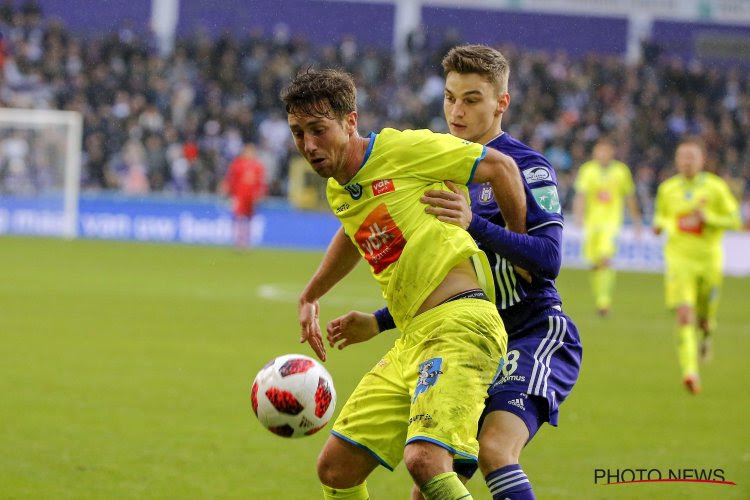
(384, 319)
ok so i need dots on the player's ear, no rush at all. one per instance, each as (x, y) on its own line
(351, 122)
(503, 101)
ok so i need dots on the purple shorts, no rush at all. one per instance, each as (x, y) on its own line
(536, 375)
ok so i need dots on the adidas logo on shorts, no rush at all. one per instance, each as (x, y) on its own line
(518, 402)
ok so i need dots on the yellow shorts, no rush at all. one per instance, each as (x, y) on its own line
(697, 285)
(599, 243)
(431, 385)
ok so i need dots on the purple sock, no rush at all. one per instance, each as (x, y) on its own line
(509, 483)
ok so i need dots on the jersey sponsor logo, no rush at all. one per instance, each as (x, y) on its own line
(355, 190)
(690, 223)
(422, 417)
(429, 371)
(603, 196)
(537, 174)
(547, 198)
(382, 186)
(485, 194)
(380, 239)
(342, 208)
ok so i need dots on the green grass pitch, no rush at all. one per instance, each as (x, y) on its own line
(125, 373)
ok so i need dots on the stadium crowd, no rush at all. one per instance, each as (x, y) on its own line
(173, 124)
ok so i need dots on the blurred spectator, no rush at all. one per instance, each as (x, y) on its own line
(208, 97)
(245, 182)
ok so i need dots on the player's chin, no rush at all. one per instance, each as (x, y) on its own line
(321, 168)
(460, 131)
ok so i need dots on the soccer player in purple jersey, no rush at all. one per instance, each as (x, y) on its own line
(544, 349)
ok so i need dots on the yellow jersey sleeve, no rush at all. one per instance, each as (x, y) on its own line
(627, 186)
(436, 157)
(724, 211)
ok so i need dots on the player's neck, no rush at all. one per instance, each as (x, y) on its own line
(355, 157)
(492, 133)
(691, 177)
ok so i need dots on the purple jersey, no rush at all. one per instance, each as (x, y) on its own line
(518, 301)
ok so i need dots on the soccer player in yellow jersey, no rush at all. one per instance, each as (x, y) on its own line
(693, 209)
(603, 185)
(422, 400)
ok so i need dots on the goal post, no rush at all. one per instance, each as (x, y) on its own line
(40, 159)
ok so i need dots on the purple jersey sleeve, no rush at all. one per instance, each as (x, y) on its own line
(539, 253)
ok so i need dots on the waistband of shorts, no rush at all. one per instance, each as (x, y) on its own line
(475, 293)
(475, 304)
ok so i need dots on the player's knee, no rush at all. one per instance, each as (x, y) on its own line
(494, 455)
(416, 460)
(425, 460)
(333, 472)
(685, 315)
(704, 324)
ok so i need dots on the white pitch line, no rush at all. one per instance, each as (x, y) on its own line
(288, 292)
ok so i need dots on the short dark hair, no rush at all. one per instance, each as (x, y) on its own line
(480, 59)
(693, 139)
(324, 93)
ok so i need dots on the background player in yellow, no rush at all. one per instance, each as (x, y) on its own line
(422, 401)
(603, 185)
(693, 209)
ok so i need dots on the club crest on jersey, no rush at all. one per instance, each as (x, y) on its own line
(485, 194)
(537, 174)
(355, 190)
(429, 371)
(382, 186)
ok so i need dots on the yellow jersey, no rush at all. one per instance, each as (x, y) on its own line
(677, 199)
(409, 251)
(604, 189)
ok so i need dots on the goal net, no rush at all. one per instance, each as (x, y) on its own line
(40, 166)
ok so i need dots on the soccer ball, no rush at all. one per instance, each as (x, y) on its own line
(293, 396)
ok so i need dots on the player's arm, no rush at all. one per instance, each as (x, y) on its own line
(501, 171)
(727, 213)
(635, 212)
(579, 205)
(538, 253)
(579, 200)
(355, 327)
(660, 217)
(340, 258)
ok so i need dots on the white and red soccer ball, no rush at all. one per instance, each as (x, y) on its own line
(293, 396)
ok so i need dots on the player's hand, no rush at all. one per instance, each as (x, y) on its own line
(523, 273)
(352, 328)
(700, 216)
(449, 206)
(309, 322)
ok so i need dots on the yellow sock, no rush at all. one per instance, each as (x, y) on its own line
(358, 492)
(446, 486)
(603, 282)
(687, 349)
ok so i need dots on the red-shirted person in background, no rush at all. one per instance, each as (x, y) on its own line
(245, 182)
